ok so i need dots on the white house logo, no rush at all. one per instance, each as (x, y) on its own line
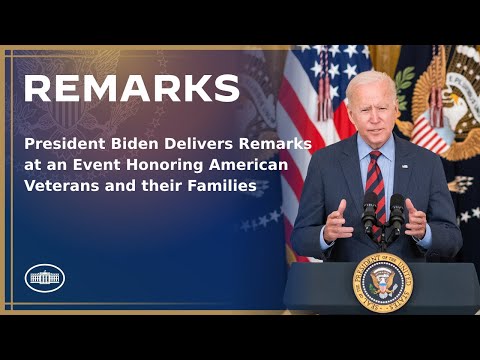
(44, 278)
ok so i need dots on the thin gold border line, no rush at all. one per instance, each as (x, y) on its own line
(11, 182)
(149, 47)
(149, 312)
(55, 56)
(118, 303)
(2, 180)
(75, 56)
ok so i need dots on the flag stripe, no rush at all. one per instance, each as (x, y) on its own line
(301, 85)
(290, 201)
(426, 136)
(286, 130)
(344, 128)
(441, 149)
(288, 234)
(430, 134)
(296, 112)
(292, 176)
(418, 134)
(436, 143)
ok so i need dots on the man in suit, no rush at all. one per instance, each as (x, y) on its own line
(329, 221)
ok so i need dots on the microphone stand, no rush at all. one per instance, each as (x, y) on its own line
(393, 236)
(382, 243)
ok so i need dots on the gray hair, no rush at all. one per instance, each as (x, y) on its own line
(368, 77)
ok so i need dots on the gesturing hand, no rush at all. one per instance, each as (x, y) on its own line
(334, 227)
(417, 221)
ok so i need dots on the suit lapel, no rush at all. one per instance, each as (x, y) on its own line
(403, 167)
(351, 169)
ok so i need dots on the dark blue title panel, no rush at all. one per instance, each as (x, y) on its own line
(141, 180)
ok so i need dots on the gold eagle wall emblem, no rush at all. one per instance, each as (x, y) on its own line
(459, 138)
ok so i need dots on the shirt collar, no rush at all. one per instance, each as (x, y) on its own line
(387, 150)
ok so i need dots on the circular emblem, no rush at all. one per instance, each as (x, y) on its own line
(382, 282)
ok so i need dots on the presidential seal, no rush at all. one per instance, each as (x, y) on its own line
(382, 282)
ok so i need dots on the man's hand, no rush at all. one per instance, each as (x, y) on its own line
(334, 227)
(417, 225)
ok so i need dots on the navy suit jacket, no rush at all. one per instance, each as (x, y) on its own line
(334, 174)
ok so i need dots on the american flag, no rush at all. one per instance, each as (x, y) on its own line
(303, 112)
(423, 134)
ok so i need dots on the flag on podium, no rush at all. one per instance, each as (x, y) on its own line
(311, 106)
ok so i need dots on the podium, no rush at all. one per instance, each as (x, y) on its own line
(438, 289)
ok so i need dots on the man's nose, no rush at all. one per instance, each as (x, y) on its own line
(375, 116)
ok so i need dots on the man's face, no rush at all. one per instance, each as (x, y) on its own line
(373, 111)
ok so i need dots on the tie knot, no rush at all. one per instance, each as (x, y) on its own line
(375, 154)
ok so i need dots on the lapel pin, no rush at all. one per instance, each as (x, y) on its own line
(404, 166)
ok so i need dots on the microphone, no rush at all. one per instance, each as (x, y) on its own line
(369, 218)
(396, 213)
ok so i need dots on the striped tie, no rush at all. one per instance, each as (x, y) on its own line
(375, 184)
